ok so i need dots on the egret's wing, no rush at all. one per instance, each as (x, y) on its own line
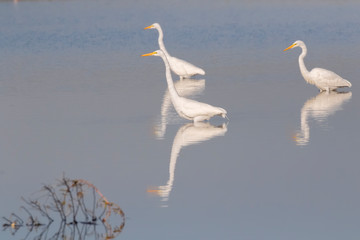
(325, 77)
(184, 67)
(194, 108)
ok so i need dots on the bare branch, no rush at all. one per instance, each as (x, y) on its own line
(69, 199)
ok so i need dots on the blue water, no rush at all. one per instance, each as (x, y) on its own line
(76, 98)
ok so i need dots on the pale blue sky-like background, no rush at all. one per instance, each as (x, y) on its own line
(77, 98)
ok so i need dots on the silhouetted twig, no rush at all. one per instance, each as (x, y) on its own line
(69, 201)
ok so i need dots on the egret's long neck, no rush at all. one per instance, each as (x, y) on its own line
(161, 42)
(173, 93)
(304, 72)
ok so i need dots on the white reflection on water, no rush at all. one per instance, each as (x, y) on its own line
(319, 108)
(188, 134)
(184, 87)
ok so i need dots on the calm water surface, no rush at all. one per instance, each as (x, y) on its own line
(77, 99)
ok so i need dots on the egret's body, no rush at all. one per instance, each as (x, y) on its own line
(185, 88)
(180, 67)
(187, 108)
(323, 79)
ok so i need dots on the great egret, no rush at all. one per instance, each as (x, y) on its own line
(187, 108)
(180, 67)
(323, 79)
(185, 88)
(319, 108)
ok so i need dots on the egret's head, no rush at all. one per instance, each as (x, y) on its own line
(297, 43)
(154, 25)
(156, 53)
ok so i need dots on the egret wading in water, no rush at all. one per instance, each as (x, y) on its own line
(180, 67)
(185, 87)
(187, 108)
(323, 79)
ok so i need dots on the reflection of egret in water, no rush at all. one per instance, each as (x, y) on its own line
(319, 107)
(188, 134)
(184, 87)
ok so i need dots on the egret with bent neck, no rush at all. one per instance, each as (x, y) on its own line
(187, 108)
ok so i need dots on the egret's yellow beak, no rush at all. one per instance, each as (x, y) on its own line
(291, 46)
(148, 54)
(151, 26)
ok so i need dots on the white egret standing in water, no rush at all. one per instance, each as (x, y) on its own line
(187, 108)
(178, 66)
(185, 88)
(323, 79)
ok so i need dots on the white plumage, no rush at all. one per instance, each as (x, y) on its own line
(187, 108)
(323, 79)
(185, 88)
(180, 67)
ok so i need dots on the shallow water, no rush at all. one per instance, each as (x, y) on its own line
(77, 99)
